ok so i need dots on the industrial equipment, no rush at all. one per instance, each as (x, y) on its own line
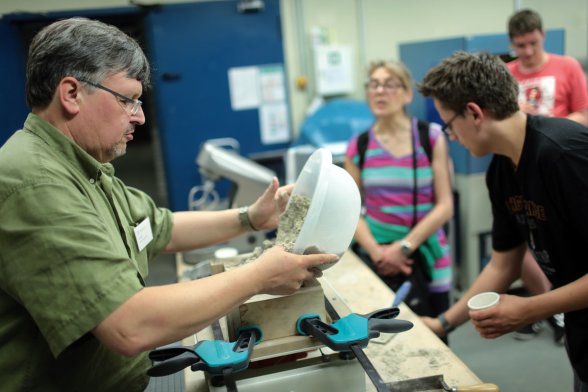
(218, 159)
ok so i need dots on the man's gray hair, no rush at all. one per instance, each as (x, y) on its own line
(84, 49)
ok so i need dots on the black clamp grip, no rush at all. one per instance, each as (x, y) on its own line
(213, 356)
(353, 329)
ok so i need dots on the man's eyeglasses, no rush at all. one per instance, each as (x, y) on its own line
(388, 86)
(130, 105)
(446, 129)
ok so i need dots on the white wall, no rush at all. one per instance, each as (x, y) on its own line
(374, 28)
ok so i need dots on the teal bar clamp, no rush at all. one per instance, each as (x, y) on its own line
(353, 329)
(213, 356)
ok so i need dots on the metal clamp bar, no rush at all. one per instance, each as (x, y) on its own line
(363, 360)
(227, 378)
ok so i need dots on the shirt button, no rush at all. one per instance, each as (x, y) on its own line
(92, 181)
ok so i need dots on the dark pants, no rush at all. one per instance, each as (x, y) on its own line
(579, 386)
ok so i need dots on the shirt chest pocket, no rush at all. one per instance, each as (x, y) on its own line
(138, 237)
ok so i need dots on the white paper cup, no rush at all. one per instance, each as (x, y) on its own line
(225, 253)
(484, 300)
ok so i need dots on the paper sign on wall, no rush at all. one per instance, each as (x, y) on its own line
(273, 121)
(262, 88)
(244, 88)
(334, 71)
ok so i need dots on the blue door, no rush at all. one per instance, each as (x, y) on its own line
(192, 47)
(13, 109)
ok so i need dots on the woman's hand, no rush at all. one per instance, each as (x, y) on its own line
(393, 261)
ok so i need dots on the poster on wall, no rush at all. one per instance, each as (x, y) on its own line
(271, 82)
(244, 88)
(263, 88)
(334, 69)
(273, 121)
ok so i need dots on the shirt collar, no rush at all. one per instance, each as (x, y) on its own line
(71, 152)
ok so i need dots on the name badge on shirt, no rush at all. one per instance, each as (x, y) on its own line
(143, 234)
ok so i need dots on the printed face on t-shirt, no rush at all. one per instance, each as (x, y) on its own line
(537, 95)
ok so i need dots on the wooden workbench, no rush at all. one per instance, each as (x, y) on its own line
(415, 353)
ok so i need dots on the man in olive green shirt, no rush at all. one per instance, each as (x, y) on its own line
(74, 310)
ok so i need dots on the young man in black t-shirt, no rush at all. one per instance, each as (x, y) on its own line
(538, 189)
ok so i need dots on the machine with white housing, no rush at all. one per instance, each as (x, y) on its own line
(219, 159)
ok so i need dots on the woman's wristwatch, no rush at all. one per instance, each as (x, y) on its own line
(406, 248)
(445, 324)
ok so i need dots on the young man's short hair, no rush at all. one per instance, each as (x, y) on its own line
(523, 22)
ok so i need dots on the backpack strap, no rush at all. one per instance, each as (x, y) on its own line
(423, 128)
(362, 143)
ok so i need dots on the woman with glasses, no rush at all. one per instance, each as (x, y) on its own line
(401, 166)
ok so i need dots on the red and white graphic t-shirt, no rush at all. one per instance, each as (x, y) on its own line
(557, 89)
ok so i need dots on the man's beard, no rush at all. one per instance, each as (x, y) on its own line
(118, 150)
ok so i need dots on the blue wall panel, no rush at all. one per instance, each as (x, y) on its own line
(15, 31)
(13, 109)
(192, 47)
(419, 57)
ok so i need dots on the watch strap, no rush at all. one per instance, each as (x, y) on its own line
(244, 219)
(406, 247)
(445, 324)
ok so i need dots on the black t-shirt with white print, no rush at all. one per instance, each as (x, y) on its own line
(544, 202)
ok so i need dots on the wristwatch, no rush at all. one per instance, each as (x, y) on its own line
(244, 219)
(445, 324)
(406, 247)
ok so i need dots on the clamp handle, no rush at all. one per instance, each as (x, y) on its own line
(383, 321)
(221, 357)
(171, 360)
(214, 356)
(388, 326)
(339, 336)
(352, 329)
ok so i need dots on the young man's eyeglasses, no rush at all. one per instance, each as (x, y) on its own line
(446, 129)
(389, 86)
(131, 105)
